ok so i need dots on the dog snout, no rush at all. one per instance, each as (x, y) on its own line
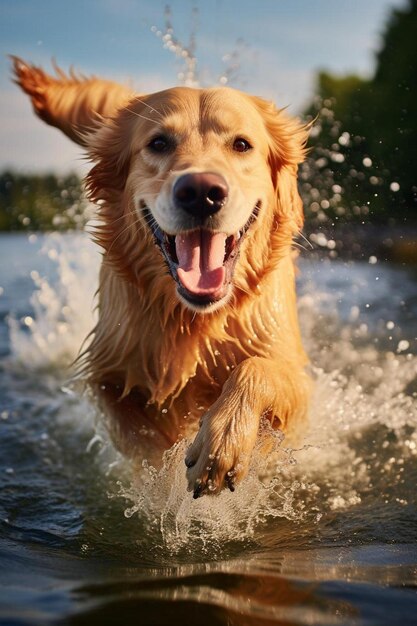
(200, 194)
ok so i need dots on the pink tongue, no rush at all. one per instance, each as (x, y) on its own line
(201, 254)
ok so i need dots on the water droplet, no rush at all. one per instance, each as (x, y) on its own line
(403, 345)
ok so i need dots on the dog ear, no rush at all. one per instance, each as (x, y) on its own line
(287, 149)
(289, 203)
(109, 148)
(72, 102)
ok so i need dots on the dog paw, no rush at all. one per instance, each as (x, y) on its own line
(220, 454)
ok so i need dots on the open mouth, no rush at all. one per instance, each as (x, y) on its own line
(201, 261)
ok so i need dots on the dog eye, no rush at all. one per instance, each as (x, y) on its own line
(241, 145)
(160, 144)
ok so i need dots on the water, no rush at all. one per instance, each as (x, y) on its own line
(324, 534)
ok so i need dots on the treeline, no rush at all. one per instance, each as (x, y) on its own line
(33, 202)
(362, 161)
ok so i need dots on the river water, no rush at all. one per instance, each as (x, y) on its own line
(323, 534)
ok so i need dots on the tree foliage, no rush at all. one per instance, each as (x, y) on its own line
(364, 141)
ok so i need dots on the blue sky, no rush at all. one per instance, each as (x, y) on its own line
(284, 43)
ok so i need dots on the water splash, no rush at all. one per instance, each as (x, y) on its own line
(362, 443)
(358, 447)
(62, 308)
(189, 75)
(185, 53)
(185, 525)
(361, 446)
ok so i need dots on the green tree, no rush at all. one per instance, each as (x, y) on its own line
(366, 132)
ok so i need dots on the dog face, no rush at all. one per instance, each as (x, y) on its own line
(204, 171)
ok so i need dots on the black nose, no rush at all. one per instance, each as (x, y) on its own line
(201, 194)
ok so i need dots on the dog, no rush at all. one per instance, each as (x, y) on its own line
(198, 206)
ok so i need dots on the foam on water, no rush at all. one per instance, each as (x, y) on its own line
(183, 524)
(63, 307)
(362, 440)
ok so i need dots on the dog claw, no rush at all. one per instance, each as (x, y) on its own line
(198, 491)
(230, 482)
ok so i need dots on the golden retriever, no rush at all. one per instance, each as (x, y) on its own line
(198, 205)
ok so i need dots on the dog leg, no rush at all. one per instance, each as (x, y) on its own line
(221, 452)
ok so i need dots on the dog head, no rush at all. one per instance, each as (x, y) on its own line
(210, 177)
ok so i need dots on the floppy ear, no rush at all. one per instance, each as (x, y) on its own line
(72, 103)
(287, 149)
(110, 149)
(289, 203)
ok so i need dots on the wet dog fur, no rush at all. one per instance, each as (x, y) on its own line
(196, 194)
